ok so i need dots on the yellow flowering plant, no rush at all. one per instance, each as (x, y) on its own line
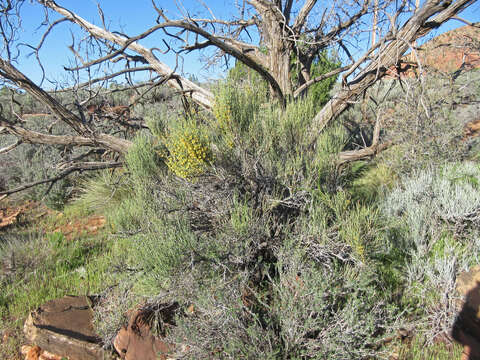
(187, 150)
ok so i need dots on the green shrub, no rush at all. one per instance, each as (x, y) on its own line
(103, 191)
(322, 64)
(329, 176)
(419, 349)
(29, 163)
(46, 268)
(236, 105)
(358, 230)
(162, 251)
(326, 309)
(246, 117)
(277, 251)
(142, 160)
(372, 182)
(128, 216)
(222, 327)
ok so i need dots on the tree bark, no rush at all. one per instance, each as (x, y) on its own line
(279, 54)
(101, 140)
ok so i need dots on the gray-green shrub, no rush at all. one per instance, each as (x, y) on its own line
(437, 211)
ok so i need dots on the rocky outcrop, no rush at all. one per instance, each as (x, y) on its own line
(65, 327)
(450, 52)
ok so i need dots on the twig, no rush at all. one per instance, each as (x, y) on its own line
(88, 166)
(10, 147)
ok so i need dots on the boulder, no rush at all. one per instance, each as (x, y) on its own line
(65, 327)
(466, 329)
(468, 287)
(135, 341)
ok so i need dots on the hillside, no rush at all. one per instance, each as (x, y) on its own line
(229, 236)
(448, 52)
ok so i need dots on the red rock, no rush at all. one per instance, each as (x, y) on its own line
(65, 327)
(449, 52)
(137, 342)
(31, 352)
(466, 329)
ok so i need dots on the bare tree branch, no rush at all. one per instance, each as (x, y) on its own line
(303, 14)
(368, 152)
(85, 166)
(475, 24)
(8, 71)
(283, 30)
(317, 79)
(10, 147)
(420, 24)
(33, 137)
(200, 95)
(107, 77)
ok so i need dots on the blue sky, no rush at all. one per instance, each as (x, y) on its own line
(120, 15)
(130, 19)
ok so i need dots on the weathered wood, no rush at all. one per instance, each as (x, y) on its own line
(8, 71)
(34, 137)
(86, 138)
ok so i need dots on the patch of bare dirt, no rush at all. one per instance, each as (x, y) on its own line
(31, 211)
(14, 214)
(78, 227)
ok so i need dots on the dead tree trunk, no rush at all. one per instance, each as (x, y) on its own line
(279, 53)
